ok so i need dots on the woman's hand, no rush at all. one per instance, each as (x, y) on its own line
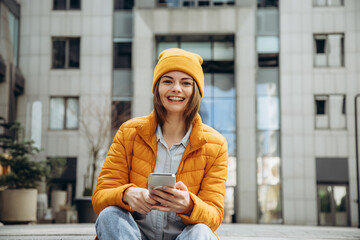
(173, 199)
(139, 200)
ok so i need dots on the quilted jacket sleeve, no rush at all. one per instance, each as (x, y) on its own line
(209, 202)
(114, 177)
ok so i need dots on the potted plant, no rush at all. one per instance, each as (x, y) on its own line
(18, 193)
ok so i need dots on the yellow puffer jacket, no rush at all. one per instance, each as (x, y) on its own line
(132, 157)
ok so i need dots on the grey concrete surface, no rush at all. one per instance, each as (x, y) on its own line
(226, 232)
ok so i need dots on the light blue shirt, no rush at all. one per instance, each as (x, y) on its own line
(158, 224)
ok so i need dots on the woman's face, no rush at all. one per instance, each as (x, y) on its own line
(175, 90)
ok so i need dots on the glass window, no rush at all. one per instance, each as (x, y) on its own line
(36, 123)
(341, 209)
(122, 54)
(123, 24)
(337, 112)
(165, 45)
(223, 51)
(66, 52)
(64, 112)
(328, 2)
(267, 82)
(201, 48)
(123, 4)
(270, 207)
(324, 195)
(330, 111)
(268, 113)
(66, 4)
(168, 3)
(267, 3)
(267, 44)
(224, 85)
(122, 84)
(14, 35)
(121, 112)
(268, 143)
(268, 60)
(224, 117)
(223, 2)
(74, 52)
(329, 50)
(207, 111)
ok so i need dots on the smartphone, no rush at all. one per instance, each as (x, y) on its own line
(158, 180)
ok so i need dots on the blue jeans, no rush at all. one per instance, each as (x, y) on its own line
(116, 223)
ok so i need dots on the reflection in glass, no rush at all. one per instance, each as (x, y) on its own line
(340, 198)
(270, 207)
(122, 84)
(267, 82)
(224, 117)
(224, 85)
(268, 113)
(223, 51)
(72, 111)
(161, 46)
(201, 48)
(324, 195)
(231, 140)
(57, 113)
(268, 143)
(207, 111)
(268, 170)
(267, 44)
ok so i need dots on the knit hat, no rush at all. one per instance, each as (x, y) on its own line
(176, 59)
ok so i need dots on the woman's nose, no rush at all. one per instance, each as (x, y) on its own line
(176, 87)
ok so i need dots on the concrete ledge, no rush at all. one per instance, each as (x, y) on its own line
(226, 232)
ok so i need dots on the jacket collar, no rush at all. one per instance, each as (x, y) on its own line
(147, 130)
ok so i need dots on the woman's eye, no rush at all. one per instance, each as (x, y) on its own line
(187, 83)
(166, 81)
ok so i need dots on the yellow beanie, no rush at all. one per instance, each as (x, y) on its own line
(176, 59)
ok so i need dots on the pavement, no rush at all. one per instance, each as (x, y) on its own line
(225, 231)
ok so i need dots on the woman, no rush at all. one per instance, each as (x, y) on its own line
(172, 139)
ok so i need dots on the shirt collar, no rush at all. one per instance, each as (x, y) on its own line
(184, 141)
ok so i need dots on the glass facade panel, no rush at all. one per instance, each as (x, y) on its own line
(201, 48)
(122, 84)
(341, 209)
(335, 50)
(223, 51)
(59, 4)
(224, 114)
(123, 4)
(268, 21)
(268, 143)
(224, 85)
(324, 196)
(337, 112)
(207, 111)
(58, 58)
(120, 113)
(123, 24)
(268, 117)
(122, 54)
(72, 112)
(208, 89)
(270, 206)
(165, 45)
(231, 140)
(75, 4)
(321, 110)
(267, 3)
(267, 82)
(14, 35)
(74, 52)
(57, 113)
(267, 44)
(268, 170)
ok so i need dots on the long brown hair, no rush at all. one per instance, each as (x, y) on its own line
(190, 112)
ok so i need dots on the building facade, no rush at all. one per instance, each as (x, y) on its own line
(280, 82)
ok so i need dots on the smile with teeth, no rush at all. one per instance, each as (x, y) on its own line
(177, 99)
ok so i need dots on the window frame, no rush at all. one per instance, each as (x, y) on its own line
(67, 6)
(342, 4)
(65, 113)
(327, 111)
(328, 50)
(67, 52)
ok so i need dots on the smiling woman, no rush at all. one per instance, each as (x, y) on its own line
(171, 140)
